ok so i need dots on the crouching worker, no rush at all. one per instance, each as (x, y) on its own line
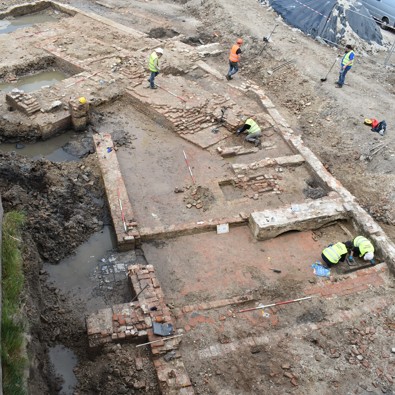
(253, 131)
(363, 248)
(334, 254)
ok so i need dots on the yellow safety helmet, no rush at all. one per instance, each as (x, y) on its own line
(82, 100)
(367, 121)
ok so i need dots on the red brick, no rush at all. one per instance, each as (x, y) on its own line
(121, 335)
(150, 332)
(158, 344)
(157, 312)
(122, 321)
(157, 363)
(143, 276)
(114, 317)
(155, 283)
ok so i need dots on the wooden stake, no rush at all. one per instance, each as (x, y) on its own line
(159, 340)
(275, 304)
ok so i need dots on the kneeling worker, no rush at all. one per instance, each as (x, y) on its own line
(334, 254)
(253, 132)
(362, 247)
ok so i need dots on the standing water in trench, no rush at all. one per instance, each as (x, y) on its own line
(75, 274)
(49, 149)
(31, 83)
(64, 361)
(10, 25)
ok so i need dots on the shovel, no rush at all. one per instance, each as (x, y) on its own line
(326, 77)
(266, 39)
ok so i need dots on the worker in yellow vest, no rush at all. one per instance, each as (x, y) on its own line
(345, 64)
(153, 66)
(362, 247)
(253, 131)
(334, 254)
(234, 58)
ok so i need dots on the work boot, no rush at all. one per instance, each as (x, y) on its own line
(257, 143)
(154, 87)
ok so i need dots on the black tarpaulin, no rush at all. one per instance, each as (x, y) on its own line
(329, 19)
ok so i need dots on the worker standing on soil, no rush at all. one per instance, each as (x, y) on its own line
(153, 66)
(253, 131)
(234, 58)
(362, 247)
(334, 254)
(345, 65)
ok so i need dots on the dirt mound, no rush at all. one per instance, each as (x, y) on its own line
(63, 203)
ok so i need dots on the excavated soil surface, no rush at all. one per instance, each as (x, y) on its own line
(63, 209)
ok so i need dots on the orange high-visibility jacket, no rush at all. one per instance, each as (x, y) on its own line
(233, 57)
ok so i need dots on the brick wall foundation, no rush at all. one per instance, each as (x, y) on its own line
(134, 322)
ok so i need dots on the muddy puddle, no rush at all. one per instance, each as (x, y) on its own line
(49, 149)
(34, 82)
(20, 22)
(64, 361)
(75, 275)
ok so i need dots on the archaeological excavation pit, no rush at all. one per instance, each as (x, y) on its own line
(205, 223)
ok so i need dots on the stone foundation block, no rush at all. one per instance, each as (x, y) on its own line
(305, 216)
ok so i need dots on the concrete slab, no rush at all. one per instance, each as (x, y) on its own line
(270, 223)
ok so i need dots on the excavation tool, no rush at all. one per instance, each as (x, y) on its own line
(122, 214)
(189, 167)
(221, 120)
(275, 270)
(171, 93)
(280, 66)
(356, 268)
(147, 285)
(326, 77)
(275, 304)
(81, 79)
(160, 340)
(266, 39)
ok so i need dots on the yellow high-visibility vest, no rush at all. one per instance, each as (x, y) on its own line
(346, 59)
(153, 62)
(254, 127)
(334, 252)
(363, 244)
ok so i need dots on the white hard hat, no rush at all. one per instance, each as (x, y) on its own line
(159, 50)
(368, 256)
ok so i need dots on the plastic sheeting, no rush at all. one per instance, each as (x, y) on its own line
(320, 270)
(330, 19)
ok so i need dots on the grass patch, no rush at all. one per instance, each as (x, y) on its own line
(12, 325)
